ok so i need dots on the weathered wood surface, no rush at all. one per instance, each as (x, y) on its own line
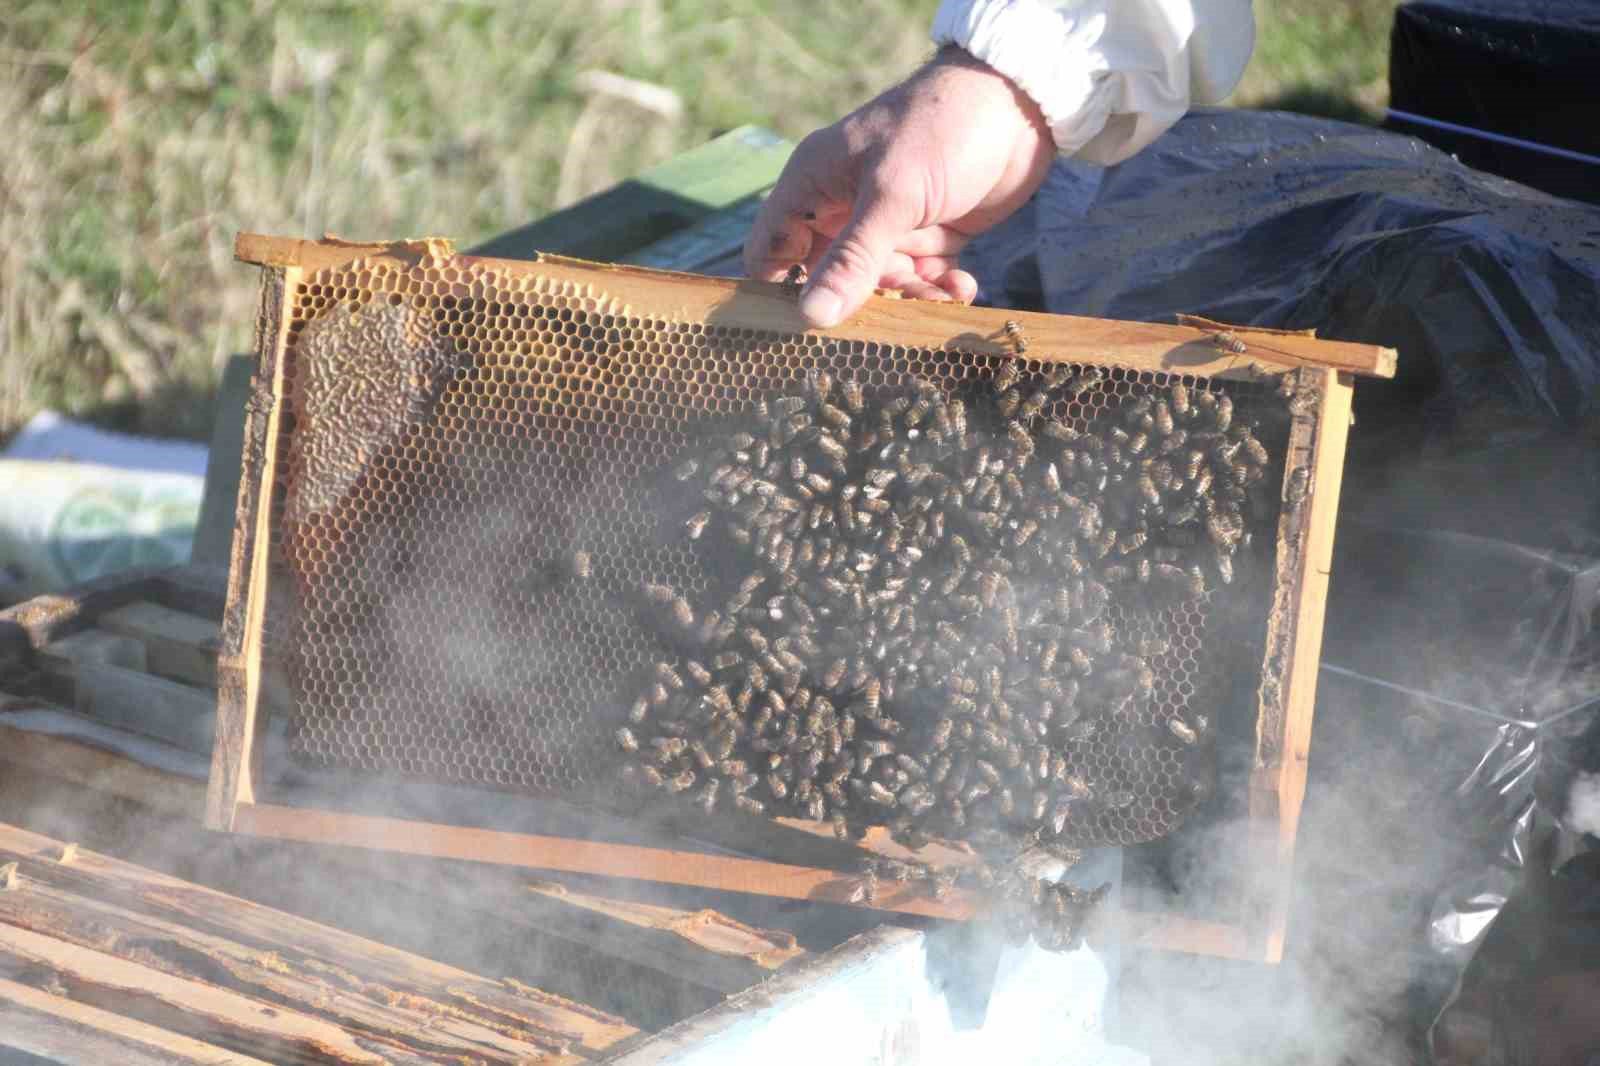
(561, 854)
(83, 762)
(183, 1006)
(180, 715)
(386, 996)
(58, 1029)
(177, 644)
(62, 657)
(239, 672)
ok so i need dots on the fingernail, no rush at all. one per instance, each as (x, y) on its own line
(821, 307)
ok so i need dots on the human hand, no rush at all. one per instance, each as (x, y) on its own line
(888, 196)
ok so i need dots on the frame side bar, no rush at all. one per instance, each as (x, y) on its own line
(1278, 780)
(238, 662)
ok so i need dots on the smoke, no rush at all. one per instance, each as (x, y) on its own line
(1583, 804)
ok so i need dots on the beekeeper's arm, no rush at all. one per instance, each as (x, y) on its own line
(890, 194)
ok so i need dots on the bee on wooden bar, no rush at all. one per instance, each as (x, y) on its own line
(1016, 337)
(1229, 342)
(1298, 486)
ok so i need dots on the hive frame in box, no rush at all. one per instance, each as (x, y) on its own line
(241, 800)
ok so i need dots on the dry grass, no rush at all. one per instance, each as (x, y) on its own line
(142, 135)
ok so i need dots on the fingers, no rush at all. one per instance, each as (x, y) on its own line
(778, 238)
(962, 286)
(855, 261)
(911, 285)
(812, 197)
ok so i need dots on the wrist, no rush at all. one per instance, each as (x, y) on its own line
(970, 69)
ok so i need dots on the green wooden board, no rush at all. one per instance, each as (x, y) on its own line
(662, 201)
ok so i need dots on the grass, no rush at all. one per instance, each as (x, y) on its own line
(142, 135)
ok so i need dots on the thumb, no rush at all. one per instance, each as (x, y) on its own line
(853, 263)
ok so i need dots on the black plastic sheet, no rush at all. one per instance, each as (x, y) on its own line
(1487, 288)
(1520, 69)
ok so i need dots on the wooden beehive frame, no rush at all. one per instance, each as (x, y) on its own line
(239, 801)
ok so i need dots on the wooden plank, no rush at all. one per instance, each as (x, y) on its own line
(179, 715)
(187, 1007)
(1278, 780)
(239, 662)
(62, 657)
(384, 972)
(662, 200)
(45, 619)
(562, 854)
(94, 767)
(58, 902)
(213, 532)
(177, 644)
(926, 324)
(695, 945)
(1191, 936)
(62, 1030)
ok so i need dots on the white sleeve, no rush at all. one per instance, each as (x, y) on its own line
(1110, 75)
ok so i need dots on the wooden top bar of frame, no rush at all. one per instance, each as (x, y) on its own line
(886, 318)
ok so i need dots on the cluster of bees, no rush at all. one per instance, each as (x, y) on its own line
(918, 629)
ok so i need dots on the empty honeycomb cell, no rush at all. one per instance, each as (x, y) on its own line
(453, 435)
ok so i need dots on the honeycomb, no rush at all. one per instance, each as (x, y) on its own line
(456, 434)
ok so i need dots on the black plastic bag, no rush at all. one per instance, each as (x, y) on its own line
(1488, 289)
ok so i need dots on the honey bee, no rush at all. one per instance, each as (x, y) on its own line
(1179, 394)
(696, 525)
(1298, 487)
(1223, 415)
(1183, 731)
(1034, 404)
(795, 277)
(1021, 439)
(1224, 529)
(660, 594)
(871, 696)
(1224, 568)
(1085, 381)
(1014, 335)
(1228, 342)
(1303, 401)
(831, 448)
(854, 396)
(682, 613)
